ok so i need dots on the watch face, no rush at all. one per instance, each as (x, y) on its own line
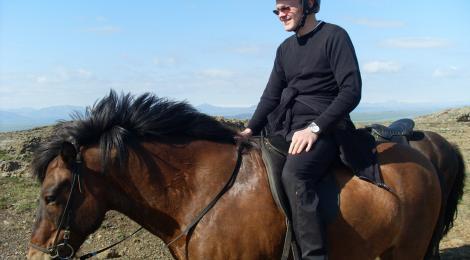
(314, 128)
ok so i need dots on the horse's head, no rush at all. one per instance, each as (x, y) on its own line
(70, 205)
(113, 135)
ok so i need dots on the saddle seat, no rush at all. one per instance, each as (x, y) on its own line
(399, 131)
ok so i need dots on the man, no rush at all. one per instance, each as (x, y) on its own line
(314, 85)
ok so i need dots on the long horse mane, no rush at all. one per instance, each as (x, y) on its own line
(122, 121)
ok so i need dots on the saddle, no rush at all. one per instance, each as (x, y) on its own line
(274, 151)
(399, 131)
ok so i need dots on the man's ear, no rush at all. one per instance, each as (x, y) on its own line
(68, 153)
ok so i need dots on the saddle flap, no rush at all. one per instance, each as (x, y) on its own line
(274, 159)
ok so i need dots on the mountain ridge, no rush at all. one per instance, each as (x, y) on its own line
(26, 118)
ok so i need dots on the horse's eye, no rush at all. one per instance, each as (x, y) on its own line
(50, 199)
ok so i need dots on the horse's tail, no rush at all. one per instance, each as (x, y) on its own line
(455, 194)
(448, 211)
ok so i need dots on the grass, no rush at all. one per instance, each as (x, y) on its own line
(5, 156)
(18, 194)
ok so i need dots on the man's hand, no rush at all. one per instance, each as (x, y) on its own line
(302, 139)
(245, 134)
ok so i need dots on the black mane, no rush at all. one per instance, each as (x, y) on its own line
(119, 122)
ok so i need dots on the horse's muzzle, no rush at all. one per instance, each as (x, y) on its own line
(34, 254)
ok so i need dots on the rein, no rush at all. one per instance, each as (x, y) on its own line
(203, 212)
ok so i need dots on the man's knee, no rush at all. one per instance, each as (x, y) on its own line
(288, 177)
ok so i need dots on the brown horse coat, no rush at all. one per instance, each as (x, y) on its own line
(164, 195)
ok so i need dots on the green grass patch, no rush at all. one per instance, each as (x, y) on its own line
(19, 194)
(5, 156)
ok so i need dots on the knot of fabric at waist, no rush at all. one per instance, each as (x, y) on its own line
(283, 112)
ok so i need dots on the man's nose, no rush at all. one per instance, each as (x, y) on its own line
(283, 16)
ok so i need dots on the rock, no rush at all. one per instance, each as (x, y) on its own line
(30, 145)
(464, 118)
(9, 166)
(113, 254)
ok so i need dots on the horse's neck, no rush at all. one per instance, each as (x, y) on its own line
(165, 188)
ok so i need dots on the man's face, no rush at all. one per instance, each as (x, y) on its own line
(290, 13)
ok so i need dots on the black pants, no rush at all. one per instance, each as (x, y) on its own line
(300, 175)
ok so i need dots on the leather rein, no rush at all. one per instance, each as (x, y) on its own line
(65, 251)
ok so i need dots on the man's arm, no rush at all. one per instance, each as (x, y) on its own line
(341, 54)
(271, 96)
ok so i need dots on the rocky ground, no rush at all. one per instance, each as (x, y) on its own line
(19, 193)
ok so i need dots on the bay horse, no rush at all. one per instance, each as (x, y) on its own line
(161, 162)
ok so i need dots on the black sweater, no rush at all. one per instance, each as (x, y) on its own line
(323, 68)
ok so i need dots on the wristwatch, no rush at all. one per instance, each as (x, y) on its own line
(314, 128)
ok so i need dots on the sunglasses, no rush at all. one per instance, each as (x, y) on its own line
(282, 9)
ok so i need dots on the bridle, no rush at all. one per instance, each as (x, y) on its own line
(64, 250)
(56, 250)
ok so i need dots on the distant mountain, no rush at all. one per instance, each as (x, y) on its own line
(365, 112)
(25, 118)
(386, 111)
(230, 112)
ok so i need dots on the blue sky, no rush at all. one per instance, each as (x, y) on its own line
(219, 52)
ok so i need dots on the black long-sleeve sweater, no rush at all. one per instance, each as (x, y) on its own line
(323, 68)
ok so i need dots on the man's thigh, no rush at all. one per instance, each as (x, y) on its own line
(312, 165)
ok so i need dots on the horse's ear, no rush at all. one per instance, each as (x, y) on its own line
(68, 152)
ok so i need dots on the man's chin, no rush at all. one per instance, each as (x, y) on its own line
(288, 28)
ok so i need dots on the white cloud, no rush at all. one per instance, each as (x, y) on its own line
(106, 29)
(215, 73)
(375, 23)
(248, 49)
(415, 43)
(41, 79)
(168, 61)
(381, 67)
(62, 75)
(101, 18)
(448, 72)
(84, 73)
